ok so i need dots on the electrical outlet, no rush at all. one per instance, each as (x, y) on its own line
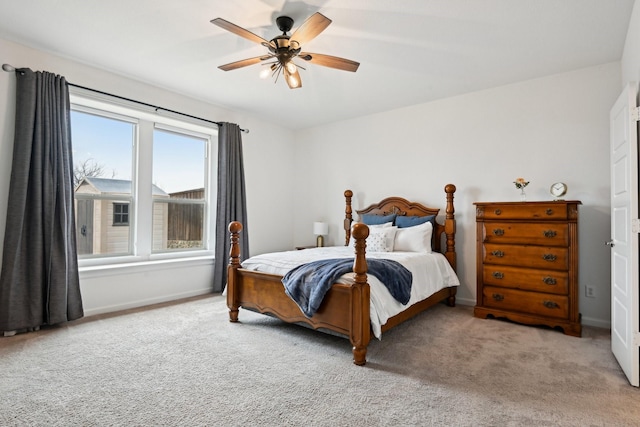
(590, 292)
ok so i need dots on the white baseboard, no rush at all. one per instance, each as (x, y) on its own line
(596, 323)
(144, 302)
(586, 321)
(465, 301)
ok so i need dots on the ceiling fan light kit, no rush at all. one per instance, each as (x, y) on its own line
(283, 49)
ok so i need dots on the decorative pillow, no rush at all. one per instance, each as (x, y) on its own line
(371, 219)
(381, 239)
(352, 241)
(414, 239)
(410, 221)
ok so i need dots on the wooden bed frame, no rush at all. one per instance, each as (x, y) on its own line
(345, 308)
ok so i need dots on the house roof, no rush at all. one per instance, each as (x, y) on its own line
(117, 186)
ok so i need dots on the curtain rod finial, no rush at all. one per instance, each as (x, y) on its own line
(8, 68)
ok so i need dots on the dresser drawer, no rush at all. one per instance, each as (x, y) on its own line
(548, 305)
(546, 234)
(555, 282)
(524, 211)
(544, 257)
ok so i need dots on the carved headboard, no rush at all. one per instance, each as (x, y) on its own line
(403, 207)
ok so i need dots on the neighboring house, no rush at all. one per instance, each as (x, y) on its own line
(103, 215)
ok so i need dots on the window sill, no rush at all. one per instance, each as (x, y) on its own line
(134, 264)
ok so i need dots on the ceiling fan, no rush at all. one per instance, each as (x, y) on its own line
(283, 49)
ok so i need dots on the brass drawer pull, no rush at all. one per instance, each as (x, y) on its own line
(549, 257)
(549, 280)
(498, 254)
(498, 275)
(549, 233)
(549, 211)
(550, 304)
(497, 211)
(498, 232)
(498, 297)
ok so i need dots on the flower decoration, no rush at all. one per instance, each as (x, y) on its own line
(521, 183)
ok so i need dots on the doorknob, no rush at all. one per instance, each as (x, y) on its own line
(610, 243)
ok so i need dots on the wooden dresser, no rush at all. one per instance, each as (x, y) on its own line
(527, 263)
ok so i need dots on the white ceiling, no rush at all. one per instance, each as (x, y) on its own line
(410, 51)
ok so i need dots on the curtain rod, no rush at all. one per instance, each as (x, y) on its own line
(10, 68)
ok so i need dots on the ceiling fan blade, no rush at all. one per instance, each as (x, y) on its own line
(310, 28)
(239, 31)
(243, 63)
(330, 61)
(292, 79)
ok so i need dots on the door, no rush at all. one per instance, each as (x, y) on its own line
(624, 237)
(84, 226)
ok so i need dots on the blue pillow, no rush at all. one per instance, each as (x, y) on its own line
(410, 221)
(371, 219)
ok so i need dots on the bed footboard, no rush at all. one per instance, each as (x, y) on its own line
(345, 309)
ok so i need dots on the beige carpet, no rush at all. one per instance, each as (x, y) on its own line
(185, 364)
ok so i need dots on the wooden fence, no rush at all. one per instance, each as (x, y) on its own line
(185, 221)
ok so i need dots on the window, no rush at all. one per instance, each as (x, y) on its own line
(103, 145)
(120, 214)
(142, 182)
(179, 177)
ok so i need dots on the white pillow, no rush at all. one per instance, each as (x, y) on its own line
(381, 239)
(352, 241)
(414, 239)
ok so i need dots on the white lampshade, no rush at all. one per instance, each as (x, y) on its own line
(320, 228)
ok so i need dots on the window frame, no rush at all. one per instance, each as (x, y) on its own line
(147, 119)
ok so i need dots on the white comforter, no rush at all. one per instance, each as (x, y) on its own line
(431, 272)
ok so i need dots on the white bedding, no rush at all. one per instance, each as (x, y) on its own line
(431, 272)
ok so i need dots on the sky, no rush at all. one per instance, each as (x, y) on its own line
(178, 160)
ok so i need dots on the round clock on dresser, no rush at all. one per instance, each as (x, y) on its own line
(558, 189)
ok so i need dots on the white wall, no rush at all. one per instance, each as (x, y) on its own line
(269, 175)
(550, 129)
(631, 54)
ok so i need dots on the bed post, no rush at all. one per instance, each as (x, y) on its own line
(450, 226)
(450, 233)
(348, 219)
(360, 333)
(232, 270)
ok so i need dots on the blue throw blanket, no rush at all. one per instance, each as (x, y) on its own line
(307, 284)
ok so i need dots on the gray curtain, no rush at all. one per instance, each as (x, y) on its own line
(232, 205)
(39, 280)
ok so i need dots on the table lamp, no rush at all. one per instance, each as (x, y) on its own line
(320, 229)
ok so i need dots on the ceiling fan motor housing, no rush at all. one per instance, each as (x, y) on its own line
(284, 23)
(284, 48)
